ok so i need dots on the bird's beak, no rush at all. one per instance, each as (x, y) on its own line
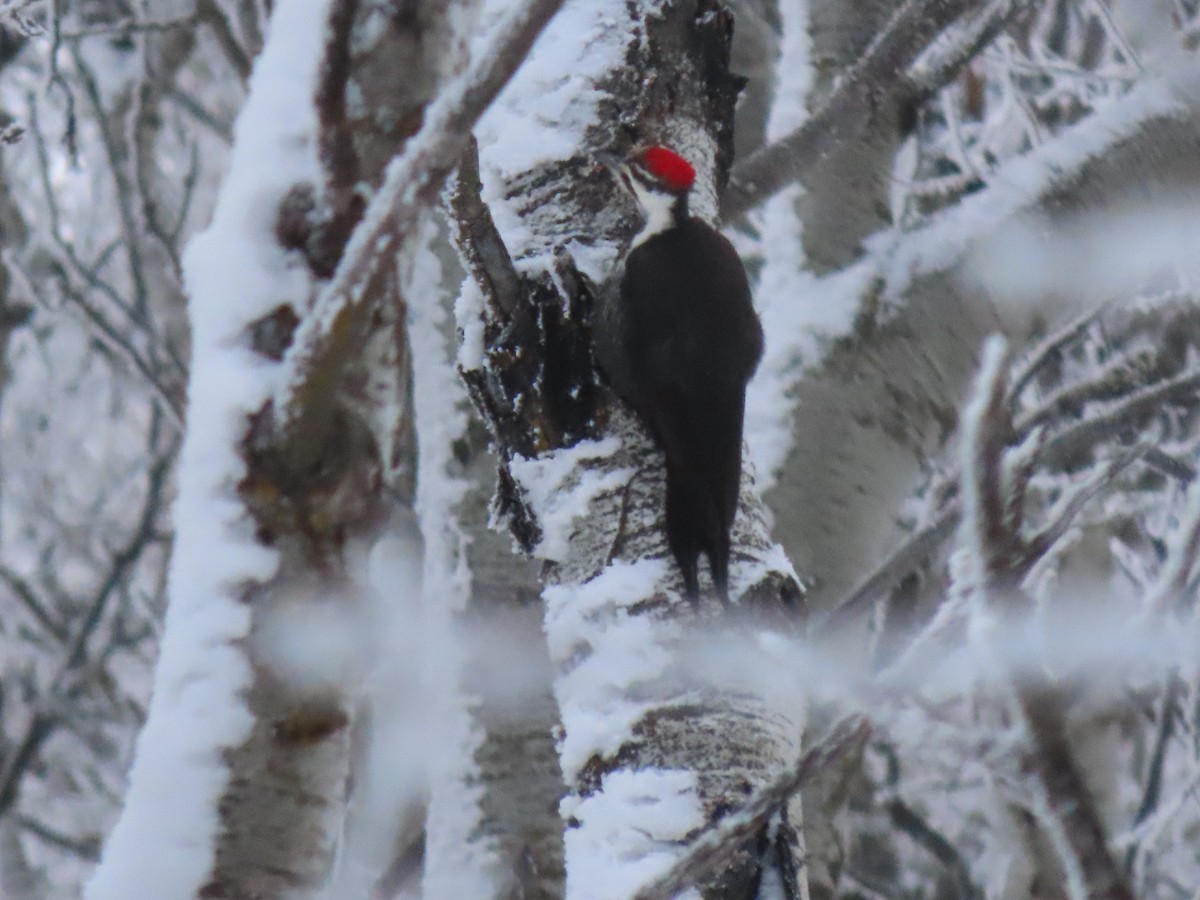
(619, 169)
(610, 161)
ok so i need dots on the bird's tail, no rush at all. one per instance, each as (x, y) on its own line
(695, 525)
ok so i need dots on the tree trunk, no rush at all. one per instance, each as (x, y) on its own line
(652, 752)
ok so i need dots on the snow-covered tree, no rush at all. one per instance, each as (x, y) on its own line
(310, 482)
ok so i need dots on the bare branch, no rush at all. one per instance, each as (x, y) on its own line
(905, 818)
(895, 566)
(485, 252)
(209, 12)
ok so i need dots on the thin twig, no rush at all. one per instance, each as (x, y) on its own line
(209, 12)
(47, 718)
(196, 110)
(129, 26)
(907, 820)
(26, 594)
(1170, 591)
(1154, 774)
(942, 66)
(1044, 540)
(917, 548)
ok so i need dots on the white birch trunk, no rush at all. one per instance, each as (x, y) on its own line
(651, 750)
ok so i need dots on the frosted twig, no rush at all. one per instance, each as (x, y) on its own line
(1154, 773)
(1104, 14)
(412, 184)
(932, 74)
(720, 840)
(991, 539)
(1043, 542)
(1170, 592)
(1116, 379)
(1063, 447)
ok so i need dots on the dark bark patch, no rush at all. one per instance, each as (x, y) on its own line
(271, 335)
(310, 725)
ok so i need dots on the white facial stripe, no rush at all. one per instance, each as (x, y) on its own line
(657, 207)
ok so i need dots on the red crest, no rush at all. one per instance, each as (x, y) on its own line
(668, 167)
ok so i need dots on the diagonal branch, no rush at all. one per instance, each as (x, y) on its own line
(486, 256)
(720, 840)
(331, 333)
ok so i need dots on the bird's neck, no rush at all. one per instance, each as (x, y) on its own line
(663, 212)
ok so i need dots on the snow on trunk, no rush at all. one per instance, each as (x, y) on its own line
(459, 860)
(493, 828)
(650, 750)
(171, 831)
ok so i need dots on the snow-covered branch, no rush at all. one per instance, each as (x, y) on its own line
(880, 79)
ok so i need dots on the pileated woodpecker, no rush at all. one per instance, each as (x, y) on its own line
(678, 338)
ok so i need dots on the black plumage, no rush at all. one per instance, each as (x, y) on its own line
(679, 340)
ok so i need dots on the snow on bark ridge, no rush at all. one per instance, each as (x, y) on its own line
(560, 487)
(614, 860)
